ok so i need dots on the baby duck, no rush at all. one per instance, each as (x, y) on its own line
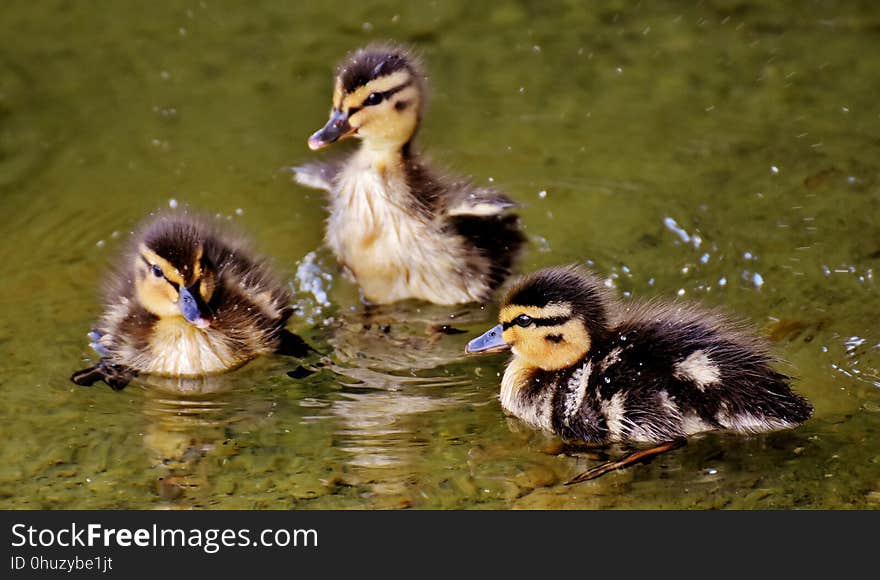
(400, 229)
(187, 300)
(590, 371)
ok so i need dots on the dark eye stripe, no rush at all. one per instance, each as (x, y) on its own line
(385, 95)
(150, 270)
(552, 321)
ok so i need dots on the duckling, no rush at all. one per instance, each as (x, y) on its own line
(397, 227)
(187, 299)
(591, 370)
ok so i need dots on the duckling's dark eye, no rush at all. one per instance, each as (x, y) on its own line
(522, 320)
(373, 99)
(157, 271)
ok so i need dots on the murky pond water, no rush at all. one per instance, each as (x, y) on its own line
(720, 151)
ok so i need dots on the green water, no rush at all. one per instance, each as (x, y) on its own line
(724, 151)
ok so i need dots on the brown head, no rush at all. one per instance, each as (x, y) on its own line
(173, 277)
(549, 318)
(377, 96)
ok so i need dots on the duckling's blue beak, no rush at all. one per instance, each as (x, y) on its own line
(336, 128)
(490, 341)
(189, 307)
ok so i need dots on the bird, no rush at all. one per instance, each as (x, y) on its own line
(401, 229)
(187, 298)
(591, 369)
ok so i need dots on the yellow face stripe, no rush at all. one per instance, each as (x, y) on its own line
(197, 264)
(552, 310)
(171, 273)
(338, 94)
(379, 85)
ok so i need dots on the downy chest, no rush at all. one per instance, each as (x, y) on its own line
(178, 348)
(394, 251)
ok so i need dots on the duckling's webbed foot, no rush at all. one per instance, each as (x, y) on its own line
(627, 460)
(116, 376)
(95, 337)
(291, 344)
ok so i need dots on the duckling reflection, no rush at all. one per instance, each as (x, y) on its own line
(394, 365)
(188, 433)
(401, 337)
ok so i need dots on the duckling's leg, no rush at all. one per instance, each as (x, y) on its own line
(627, 460)
(116, 376)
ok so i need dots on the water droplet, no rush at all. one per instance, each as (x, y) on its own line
(172, 203)
(542, 194)
(774, 170)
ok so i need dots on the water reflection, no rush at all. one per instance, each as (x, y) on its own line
(186, 432)
(391, 365)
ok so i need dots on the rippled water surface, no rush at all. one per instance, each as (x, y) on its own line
(719, 151)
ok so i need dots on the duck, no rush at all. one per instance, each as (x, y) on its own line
(591, 369)
(187, 298)
(401, 229)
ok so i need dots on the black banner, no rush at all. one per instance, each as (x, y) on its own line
(231, 544)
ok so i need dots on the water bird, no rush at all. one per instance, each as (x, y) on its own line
(187, 298)
(594, 370)
(400, 228)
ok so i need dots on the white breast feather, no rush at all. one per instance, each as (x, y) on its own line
(393, 254)
(536, 412)
(180, 349)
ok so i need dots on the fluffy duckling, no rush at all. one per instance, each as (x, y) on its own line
(591, 371)
(400, 229)
(187, 300)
